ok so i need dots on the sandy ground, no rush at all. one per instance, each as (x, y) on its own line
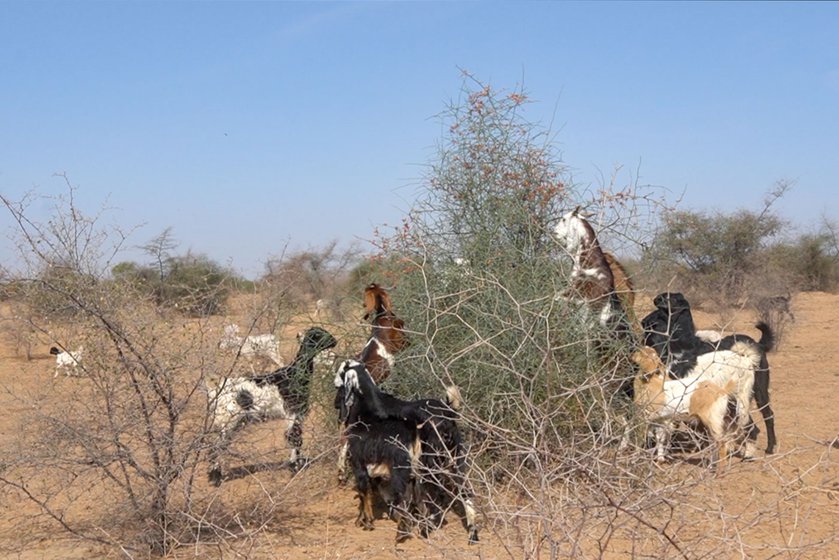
(800, 482)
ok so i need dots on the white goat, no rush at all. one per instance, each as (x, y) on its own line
(249, 347)
(718, 379)
(67, 362)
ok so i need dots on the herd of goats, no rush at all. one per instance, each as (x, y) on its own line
(411, 455)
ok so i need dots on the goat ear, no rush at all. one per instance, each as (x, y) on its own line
(346, 403)
(370, 299)
(384, 300)
(371, 393)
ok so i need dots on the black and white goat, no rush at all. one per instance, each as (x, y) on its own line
(381, 430)
(281, 394)
(670, 330)
(67, 362)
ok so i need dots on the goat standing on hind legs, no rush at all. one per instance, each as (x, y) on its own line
(592, 284)
(592, 281)
(387, 335)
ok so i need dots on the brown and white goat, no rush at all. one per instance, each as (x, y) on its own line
(592, 281)
(716, 393)
(387, 336)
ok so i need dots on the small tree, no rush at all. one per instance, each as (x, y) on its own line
(193, 284)
(130, 435)
(716, 253)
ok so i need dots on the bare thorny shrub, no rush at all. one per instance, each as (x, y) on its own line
(477, 274)
(115, 456)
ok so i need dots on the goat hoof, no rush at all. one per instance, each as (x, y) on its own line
(365, 524)
(215, 477)
(749, 451)
(473, 536)
(299, 464)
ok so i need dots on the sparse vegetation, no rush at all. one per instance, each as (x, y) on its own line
(475, 275)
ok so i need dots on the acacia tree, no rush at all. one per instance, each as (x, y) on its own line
(475, 274)
(722, 255)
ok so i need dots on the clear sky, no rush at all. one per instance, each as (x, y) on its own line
(249, 126)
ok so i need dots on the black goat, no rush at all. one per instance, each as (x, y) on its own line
(671, 331)
(383, 456)
(438, 472)
(283, 394)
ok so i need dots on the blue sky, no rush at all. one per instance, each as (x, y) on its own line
(250, 126)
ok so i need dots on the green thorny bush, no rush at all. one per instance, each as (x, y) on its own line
(476, 274)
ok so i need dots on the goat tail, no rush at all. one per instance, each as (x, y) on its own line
(767, 337)
(453, 398)
(750, 351)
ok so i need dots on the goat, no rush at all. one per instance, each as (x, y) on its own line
(66, 361)
(324, 361)
(441, 466)
(592, 280)
(252, 345)
(593, 283)
(716, 392)
(387, 337)
(671, 331)
(624, 286)
(625, 289)
(383, 457)
(281, 394)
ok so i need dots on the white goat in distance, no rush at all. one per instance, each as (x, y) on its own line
(66, 361)
(251, 346)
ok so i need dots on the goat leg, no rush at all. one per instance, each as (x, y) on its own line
(365, 507)
(215, 474)
(761, 396)
(662, 441)
(404, 524)
(343, 461)
(471, 522)
(294, 436)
